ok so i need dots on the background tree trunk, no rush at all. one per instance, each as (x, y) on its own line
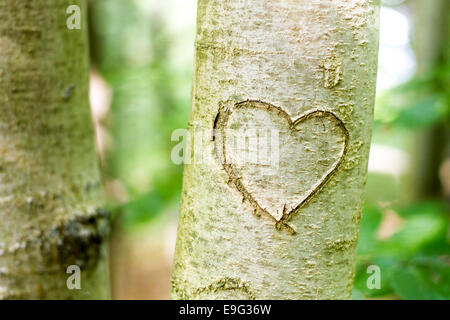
(431, 45)
(288, 58)
(50, 187)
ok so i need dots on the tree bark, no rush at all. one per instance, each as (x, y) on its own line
(50, 188)
(305, 70)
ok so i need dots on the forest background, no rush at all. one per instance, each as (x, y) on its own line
(142, 54)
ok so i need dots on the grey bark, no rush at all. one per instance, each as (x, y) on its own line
(50, 189)
(306, 70)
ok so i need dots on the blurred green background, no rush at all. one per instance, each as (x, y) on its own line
(142, 58)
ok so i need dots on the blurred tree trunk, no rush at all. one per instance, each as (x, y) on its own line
(262, 62)
(50, 188)
(431, 44)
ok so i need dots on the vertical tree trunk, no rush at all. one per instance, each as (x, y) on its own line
(50, 187)
(306, 71)
(431, 45)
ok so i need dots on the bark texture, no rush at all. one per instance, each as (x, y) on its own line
(431, 45)
(307, 69)
(50, 187)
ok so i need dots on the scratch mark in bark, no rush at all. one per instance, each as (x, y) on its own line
(228, 284)
(332, 71)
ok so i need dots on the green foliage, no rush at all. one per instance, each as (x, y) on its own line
(135, 49)
(414, 261)
(423, 278)
(414, 258)
(421, 103)
(148, 64)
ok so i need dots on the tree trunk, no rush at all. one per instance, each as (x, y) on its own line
(431, 45)
(304, 72)
(50, 188)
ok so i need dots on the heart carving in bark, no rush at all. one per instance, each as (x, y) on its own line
(277, 163)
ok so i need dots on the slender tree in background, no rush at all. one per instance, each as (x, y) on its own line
(432, 46)
(50, 188)
(305, 71)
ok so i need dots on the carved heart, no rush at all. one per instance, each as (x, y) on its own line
(278, 178)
